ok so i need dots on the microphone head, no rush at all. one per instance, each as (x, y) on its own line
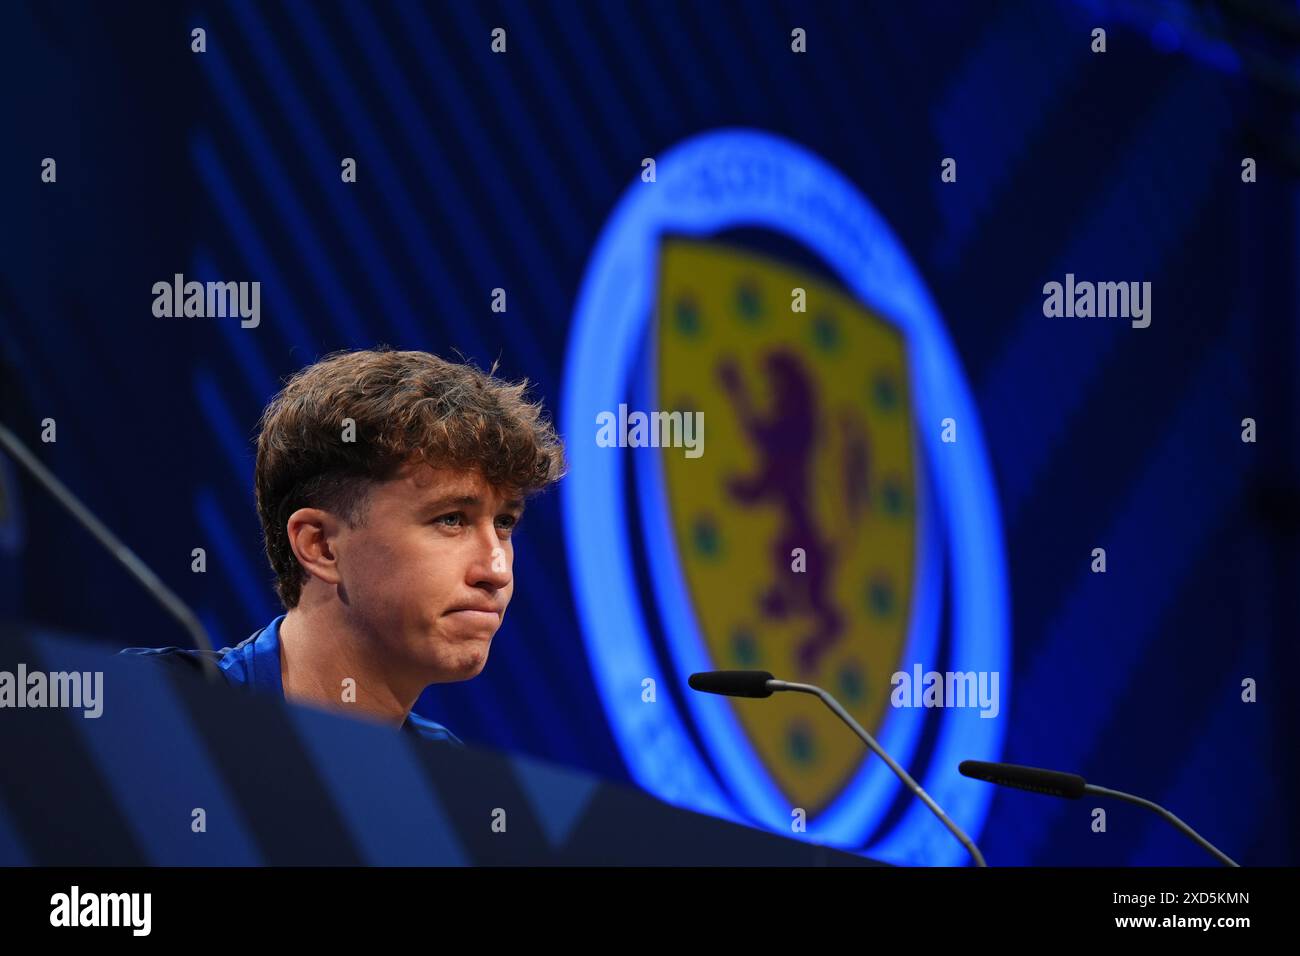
(1051, 782)
(732, 683)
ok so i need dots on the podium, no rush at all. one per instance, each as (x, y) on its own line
(179, 772)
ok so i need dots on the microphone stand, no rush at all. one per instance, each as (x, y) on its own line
(1182, 827)
(120, 552)
(870, 741)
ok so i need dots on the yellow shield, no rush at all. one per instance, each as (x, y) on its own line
(796, 528)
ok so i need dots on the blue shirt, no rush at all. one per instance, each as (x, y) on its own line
(254, 664)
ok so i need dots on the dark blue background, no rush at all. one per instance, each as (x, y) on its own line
(479, 171)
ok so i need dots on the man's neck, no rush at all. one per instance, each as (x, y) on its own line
(319, 654)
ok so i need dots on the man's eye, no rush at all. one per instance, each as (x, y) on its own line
(507, 522)
(450, 520)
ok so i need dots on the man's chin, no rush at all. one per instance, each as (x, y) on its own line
(474, 660)
(462, 661)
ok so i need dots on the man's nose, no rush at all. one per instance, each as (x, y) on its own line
(491, 567)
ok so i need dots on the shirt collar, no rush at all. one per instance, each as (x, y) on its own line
(255, 663)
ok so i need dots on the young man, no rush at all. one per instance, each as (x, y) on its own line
(389, 485)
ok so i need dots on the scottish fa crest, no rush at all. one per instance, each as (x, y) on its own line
(825, 533)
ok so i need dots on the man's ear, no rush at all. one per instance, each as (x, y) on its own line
(313, 534)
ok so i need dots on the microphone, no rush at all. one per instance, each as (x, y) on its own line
(732, 683)
(763, 684)
(1071, 786)
(120, 552)
(1052, 782)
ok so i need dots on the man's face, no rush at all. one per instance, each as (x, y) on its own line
(427, 574)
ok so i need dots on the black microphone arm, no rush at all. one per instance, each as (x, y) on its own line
(1071, 786)
(120, 552)
(763, 684)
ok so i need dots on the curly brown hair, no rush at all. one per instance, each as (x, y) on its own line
(407, 407)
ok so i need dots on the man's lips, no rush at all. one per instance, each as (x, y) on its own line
(474, 613)
(484, 608)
